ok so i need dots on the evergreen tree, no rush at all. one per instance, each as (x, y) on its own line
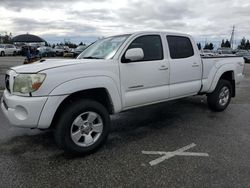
(242, 44)
(199, 46)
(227, 44)
(206, 47)
(209, 46)
(247, 45)
(222, 43)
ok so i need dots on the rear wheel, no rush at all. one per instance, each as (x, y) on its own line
(83, 127)
(14, 53)
(2, 54)
(220, 98)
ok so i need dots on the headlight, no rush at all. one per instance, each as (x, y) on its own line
(28, 83)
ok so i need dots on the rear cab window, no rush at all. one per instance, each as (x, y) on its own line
(180, 47)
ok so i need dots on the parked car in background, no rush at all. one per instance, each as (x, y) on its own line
(60, 50)
(8, 49)
(46, 51)
(208, 53)
(79, 50)
(245, 54)
(225, 51)
(1, 49)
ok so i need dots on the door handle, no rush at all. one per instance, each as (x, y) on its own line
(195, 65)
(163, 67)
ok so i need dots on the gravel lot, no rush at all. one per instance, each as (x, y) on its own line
(30, 158)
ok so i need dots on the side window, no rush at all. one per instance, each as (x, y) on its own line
(9, 46)
(180, 47)
(151, 46)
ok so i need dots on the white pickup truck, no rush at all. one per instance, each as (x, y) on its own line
(114, 74)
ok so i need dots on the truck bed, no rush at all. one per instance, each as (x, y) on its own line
(211, 65)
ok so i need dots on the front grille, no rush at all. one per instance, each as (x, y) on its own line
(7, 82)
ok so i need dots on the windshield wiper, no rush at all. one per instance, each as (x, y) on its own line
(91, 57)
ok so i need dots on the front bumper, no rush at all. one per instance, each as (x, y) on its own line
(22, 111)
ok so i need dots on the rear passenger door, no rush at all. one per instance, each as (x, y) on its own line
(185, 67)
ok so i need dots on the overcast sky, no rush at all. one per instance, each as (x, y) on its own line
(85, 20)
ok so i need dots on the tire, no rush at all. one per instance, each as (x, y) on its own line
(2, 54)
(73, 121)
(14, 53)
(220, 98)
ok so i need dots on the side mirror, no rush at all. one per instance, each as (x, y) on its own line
(134, 54)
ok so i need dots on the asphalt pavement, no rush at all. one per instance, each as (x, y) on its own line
(30, 158)
(5, 63)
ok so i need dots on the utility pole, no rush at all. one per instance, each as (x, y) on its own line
(232, 38)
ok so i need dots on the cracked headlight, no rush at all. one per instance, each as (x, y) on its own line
(28, 83)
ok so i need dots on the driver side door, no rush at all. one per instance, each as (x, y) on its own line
(145, 81)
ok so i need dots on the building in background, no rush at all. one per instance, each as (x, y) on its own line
(28, 39)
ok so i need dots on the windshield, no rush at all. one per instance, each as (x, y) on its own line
(82, 47)
(59, 47)
(104, 48)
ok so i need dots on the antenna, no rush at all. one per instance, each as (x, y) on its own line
(232, 38)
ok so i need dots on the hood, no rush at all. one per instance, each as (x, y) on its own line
(50, 64)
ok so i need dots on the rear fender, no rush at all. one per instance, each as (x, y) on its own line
(219, 73)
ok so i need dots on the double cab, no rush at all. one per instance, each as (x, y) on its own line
(75, 97)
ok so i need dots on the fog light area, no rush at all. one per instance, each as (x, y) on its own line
(21, 113)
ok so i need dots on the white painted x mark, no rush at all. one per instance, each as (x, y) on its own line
(168, 155)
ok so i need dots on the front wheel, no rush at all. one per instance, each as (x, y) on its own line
(83, 127)
(220, 98)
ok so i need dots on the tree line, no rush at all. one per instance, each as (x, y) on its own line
(244, 44)
(6, 38)
(69, 44)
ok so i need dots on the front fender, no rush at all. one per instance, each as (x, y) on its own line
(81, 84)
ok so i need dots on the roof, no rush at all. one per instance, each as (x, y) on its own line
(27, 38)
